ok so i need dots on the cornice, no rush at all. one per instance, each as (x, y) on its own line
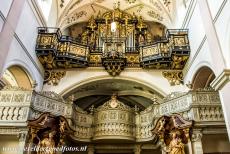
(220, 81)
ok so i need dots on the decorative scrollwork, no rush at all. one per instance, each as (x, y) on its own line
(53, 77)
(174, 77)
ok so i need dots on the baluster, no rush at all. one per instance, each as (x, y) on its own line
(15, 113)
(5, 113)
(20, 114)
(11, 113)
(1, 112)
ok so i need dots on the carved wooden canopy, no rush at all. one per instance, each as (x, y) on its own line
(45, 124)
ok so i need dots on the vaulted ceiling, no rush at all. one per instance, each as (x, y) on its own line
(75, 11)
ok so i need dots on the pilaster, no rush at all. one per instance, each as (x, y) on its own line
(212, 38)
(8, 30)
(90, 149)
(196, 142)
(137, 149)
(222, 84)
(22, 136)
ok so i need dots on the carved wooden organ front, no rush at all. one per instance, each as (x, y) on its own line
(114, 40)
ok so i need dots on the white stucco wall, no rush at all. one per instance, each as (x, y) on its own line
(196, 31)
(150, 78)
(5, 6)
(22, 47)
(203, 58)
(1, 23)
(222, 25)
(214, 6)
(200, 48)
(17, 56)
(27, 31)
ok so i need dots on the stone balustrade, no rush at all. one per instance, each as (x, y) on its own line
(202, 105)
(106, 122)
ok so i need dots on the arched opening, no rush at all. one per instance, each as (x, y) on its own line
(203, 78)
(98, 92)
(17, 76)
(114, 117)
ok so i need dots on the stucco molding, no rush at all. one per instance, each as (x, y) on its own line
(220, 81)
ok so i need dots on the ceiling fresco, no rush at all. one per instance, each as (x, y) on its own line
(71, 12)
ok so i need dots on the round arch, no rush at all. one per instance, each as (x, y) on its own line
(97, 91)
(106, 77)
(18, 67)
(203, 78)
(17, 75)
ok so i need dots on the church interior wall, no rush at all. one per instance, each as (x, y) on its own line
(21, 50)
(5, 7)
(153, 78)
(22, 59)
(196, 31)
(1, 23)
(222, 25)
(195, 64)
(53, 15)
(214, 6)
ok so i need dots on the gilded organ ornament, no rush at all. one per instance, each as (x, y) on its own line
(114, 40)
(173, 77)
(53, 77)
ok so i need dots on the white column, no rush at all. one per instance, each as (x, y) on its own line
(189, 145)
(225, 101)
(196, 142)
(22, 142)
(212, 38)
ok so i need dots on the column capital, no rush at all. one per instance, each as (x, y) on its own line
(220, 81)
(196, 135)
(22, 136)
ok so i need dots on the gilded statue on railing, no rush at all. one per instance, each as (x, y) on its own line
(48, 133)
(47, 144)
(176, 146)
(173, 132)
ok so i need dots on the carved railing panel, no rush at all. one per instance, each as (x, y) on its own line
(176, 105)
(202, 105)
(112, 119)
(144, 123)
(14, 105)
(82, 124)
(17, 105)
